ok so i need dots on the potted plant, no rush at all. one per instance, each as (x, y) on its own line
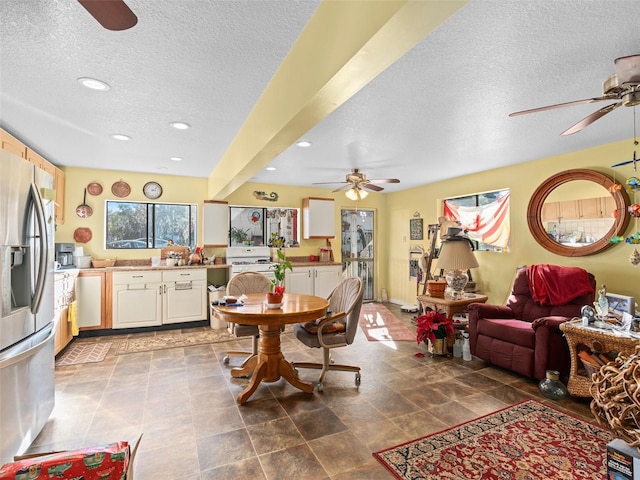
(277, 284)
(239, 236)
(435, 327)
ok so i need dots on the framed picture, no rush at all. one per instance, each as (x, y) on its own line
(619, 304)
(415, 227)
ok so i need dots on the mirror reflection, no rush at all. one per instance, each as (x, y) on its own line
(578, 213)
(256, 226)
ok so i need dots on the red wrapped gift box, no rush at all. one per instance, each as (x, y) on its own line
(105, 462)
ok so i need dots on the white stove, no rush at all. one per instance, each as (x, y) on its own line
(250, 259)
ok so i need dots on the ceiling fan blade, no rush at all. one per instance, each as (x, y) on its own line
(344, 187)
(384, 180)
(111, 14)
(560, 105)
(585, 122)
(372, 187)
(619, 164)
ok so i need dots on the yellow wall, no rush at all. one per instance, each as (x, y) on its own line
(393, 212)
(496, 270)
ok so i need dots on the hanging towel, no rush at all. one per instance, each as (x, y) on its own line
(557, 285)
(72, 318)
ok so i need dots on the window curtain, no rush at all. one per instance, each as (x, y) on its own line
(488, 224)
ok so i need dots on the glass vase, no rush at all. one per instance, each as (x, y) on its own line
(551, 387)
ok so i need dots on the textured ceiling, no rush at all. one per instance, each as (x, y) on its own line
(438, 112)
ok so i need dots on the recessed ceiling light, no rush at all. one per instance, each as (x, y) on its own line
(303, 144)
(94, 84)
(176, 159)
(120, 136)
(180, 125)
(271, 169)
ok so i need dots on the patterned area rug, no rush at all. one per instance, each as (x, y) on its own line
(526, 441)
(172, 339)
(379, 324)
(83, 353)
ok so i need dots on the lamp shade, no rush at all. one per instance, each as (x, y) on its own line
(456, 255)
(356, 194)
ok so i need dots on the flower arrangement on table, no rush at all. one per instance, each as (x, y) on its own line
(432, 326)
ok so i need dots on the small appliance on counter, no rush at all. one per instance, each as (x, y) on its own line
(64, 254)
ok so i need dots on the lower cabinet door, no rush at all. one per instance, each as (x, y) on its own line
(137, 305)
(185, 302)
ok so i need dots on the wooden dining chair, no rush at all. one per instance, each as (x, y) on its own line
(337, 329)
(244, 283)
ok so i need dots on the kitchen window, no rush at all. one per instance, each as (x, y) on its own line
(150, 225)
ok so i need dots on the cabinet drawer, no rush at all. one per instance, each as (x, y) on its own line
(184, 275)
(136, 278)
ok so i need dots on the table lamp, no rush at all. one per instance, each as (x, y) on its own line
(455, 258)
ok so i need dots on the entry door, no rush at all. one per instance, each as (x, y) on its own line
(357, 247)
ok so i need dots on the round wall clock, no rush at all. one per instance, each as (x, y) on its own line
(152, 190)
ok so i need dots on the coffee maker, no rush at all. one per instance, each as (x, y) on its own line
(64, 254)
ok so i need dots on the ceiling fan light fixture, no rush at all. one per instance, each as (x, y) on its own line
(94, 84)
(356, 194)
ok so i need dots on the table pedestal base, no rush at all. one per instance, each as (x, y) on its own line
(268, 366)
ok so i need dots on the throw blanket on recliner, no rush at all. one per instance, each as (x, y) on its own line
(557, 285)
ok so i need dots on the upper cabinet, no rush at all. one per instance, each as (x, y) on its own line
(13, 145)
(318, 218)
(215, 224)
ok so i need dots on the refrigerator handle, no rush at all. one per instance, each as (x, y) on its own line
(48, 334)
(44, 254)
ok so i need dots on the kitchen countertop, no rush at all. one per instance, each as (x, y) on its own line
(127, 268)
(314, 264)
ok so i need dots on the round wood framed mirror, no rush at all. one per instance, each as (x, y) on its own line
(566, 222)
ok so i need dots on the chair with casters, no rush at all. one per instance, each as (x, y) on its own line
(337, 329)
(243, 283)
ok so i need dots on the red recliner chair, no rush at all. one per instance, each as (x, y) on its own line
(524, 335)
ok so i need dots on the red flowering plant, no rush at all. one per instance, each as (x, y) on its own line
(279, 270)
(433, 325)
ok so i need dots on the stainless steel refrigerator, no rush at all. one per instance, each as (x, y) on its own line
(27, 330)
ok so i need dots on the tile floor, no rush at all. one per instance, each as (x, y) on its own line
(183, 400)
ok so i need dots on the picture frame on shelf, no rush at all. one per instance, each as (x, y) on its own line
(619, 304)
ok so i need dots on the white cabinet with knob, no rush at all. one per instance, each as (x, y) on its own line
(215, 224)
(318, 281)
(318, 218)
(152, 298)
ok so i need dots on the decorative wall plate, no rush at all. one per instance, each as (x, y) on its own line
(121, 189)
(82, 235)
(94, 188)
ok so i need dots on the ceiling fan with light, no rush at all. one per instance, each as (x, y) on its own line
(623, 86)
(111, 14)
(357, 184)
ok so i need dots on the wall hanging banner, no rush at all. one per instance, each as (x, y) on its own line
(488, 224)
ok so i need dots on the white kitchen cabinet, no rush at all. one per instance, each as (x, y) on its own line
(185, 295)
(318, 218)
(152, 298)
(91, 298)
(318, 281)
(64, 291)
(137, 299)
(215, 224)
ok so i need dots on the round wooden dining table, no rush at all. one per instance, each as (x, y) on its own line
(270, 365)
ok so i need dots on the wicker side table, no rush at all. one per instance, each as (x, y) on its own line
(597, 340)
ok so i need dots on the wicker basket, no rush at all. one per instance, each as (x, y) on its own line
(102, 263)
